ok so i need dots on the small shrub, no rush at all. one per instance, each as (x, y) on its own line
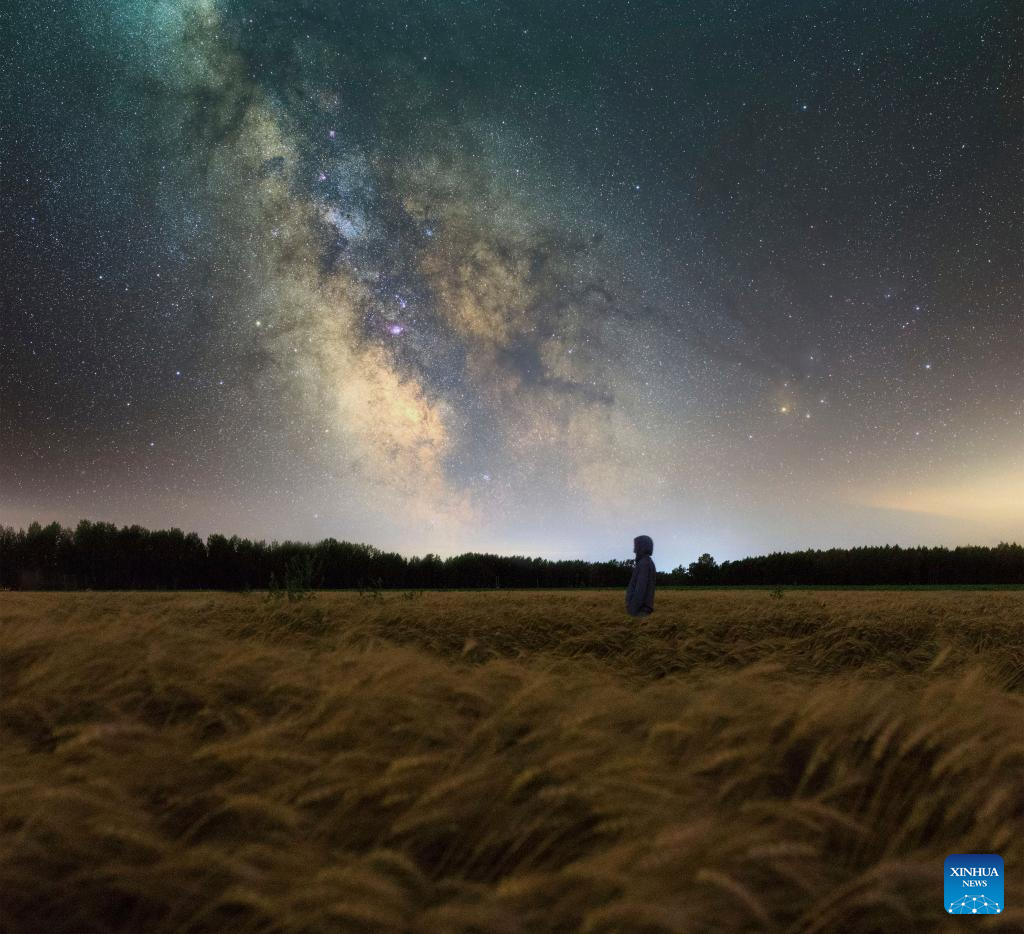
(299, 573)
(372, 590)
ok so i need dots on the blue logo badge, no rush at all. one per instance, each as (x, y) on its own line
(974, 884)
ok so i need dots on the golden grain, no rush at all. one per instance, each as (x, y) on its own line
(505, 761)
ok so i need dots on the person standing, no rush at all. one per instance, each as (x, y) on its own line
(640, 592)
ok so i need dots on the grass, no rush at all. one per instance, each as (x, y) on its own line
(506, 761)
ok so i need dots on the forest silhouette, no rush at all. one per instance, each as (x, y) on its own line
(101, 556)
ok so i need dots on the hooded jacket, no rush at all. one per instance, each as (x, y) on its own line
(640, 592)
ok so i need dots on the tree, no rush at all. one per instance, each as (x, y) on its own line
(704, 570)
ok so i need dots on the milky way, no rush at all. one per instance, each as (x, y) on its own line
(527, 278)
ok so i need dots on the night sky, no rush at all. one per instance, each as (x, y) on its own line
(524, 277)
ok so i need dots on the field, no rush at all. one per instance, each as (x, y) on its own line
(507, 761)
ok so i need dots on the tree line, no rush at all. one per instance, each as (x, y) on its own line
(873, 564)
(101, 556)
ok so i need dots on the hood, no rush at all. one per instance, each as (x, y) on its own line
(643, 545)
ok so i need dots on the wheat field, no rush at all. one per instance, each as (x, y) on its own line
(506, 761)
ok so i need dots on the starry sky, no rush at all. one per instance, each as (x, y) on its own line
(522, 277)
